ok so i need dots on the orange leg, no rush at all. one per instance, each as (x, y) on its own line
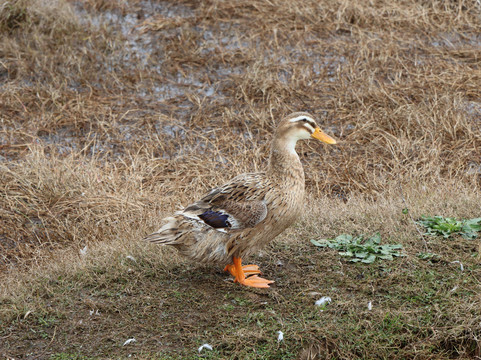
(239, 272)
(248, 269)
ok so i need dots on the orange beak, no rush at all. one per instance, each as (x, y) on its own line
(320, 135)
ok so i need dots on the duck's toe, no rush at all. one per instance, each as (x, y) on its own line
(256, 281)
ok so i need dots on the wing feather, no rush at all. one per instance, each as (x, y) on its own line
(239, 204)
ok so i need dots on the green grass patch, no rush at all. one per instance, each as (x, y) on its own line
(360, 248)
(449, 226)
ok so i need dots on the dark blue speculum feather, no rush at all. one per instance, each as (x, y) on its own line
(215, 219)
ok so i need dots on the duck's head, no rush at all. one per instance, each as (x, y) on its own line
(298, 126)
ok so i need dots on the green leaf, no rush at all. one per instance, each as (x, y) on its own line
(361, 254)
(371, 258)
(469, 235)
(360, 248)
(471, 227)
(317, 243)
(376, 239)
(344, 238)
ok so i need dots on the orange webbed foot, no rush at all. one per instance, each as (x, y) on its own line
(247, 274)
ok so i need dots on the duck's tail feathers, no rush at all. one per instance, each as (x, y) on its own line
(166, 235)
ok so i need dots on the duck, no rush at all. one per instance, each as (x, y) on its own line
(235, 220)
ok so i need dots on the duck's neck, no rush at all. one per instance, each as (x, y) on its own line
(284, 163)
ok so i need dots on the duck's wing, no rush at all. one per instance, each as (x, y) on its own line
(237, 205)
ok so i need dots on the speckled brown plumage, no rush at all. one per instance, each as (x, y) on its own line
(243, 215)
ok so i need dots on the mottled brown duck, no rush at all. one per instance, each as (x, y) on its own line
(238, 218)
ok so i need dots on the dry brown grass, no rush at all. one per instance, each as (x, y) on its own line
(115, 113)
(175, 84)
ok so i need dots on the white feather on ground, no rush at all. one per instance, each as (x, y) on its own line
(129, 341)
(323, 301)
(205, 346)
(280, 337)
